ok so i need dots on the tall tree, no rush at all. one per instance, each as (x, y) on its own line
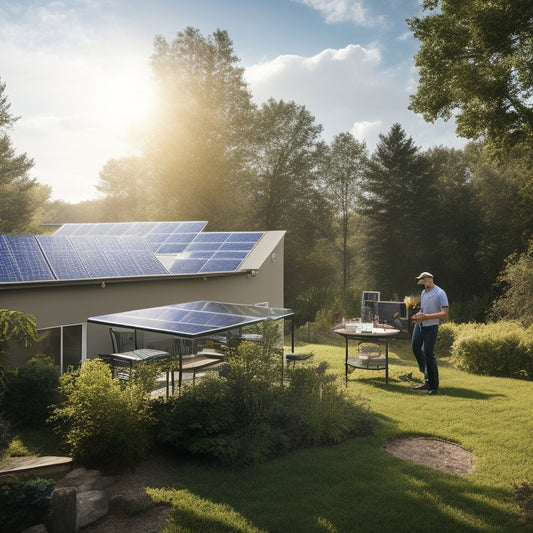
(475, 64)
(128, 188)
(21, 197)
(283, 189)
(398, 204)
(202, 122)
(343, 168)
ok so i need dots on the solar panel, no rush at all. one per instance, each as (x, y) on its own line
(193, 319)
(62, 257)
(22, 260)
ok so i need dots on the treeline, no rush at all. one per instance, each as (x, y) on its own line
(354, 220)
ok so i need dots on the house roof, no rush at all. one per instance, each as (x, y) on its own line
(125, 250)
(192, 319)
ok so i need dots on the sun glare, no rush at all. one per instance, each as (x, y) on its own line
(126, 101)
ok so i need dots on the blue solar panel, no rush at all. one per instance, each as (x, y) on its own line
(221, 265)
(194, 319)
(212, 237)
(237, 246)
(22, 260)
(250, 236)
(170, 248)
(62, 257)
(187, 266)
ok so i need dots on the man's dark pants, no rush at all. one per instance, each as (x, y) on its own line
(423, 344)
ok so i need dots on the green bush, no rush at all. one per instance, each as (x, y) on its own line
(502, 349)
(24, 503)
(5, 435)
(249, 417)
(31, 390)
(104, 424)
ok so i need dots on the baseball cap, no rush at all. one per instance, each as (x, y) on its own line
(421, 277)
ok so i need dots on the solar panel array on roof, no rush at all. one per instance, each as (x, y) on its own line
(193, 319)
(124, 249)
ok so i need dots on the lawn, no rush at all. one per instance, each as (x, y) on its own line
(357, 486)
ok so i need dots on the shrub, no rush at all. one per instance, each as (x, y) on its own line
(31, 390)
(105, 424)
(5, 435)
(248, 417)
(502, 349)
(24, 503)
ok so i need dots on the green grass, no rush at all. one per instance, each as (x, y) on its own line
(357, 486)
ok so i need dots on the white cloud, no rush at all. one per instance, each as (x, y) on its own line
(349, 89)
(353, 11)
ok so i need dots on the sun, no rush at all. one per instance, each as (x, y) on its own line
(127, 99)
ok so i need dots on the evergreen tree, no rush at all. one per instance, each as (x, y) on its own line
(399, 206)
(21, 197)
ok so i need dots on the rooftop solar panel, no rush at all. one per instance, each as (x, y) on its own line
(194, 319)
(22, 260)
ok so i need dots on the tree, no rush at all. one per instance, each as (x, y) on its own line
(21, 197)
(516, 302)
(398, 205)
(201, 126)
(283, 190)
(128, 188)
(475, 63)
(343, 168)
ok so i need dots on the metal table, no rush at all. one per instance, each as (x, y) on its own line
(376, 335)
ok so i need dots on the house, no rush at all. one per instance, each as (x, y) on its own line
(85, 270)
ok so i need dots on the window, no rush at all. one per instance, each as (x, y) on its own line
(64, 344)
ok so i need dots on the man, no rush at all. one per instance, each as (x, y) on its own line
(433, 307)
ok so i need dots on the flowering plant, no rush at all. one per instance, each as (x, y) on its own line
(413, 304)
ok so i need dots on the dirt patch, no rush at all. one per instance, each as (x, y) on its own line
(434, 453)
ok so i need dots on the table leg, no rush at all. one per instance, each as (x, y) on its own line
(386, 361)
(346, 364)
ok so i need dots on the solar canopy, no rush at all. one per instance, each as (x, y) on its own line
(193, 319)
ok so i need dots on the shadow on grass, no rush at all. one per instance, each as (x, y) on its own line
(402, 387)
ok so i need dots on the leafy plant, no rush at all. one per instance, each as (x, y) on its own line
(500, 349)
(31, 390)
(24, 503)
(104, 424)
(18, 326)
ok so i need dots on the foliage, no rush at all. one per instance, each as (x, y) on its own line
(24, 503)
(498, 349)
(21, 197)
(197, 144)
(398, 205)
(283, 191)
(344, 165)
(475, 64)
(103, 423)
(31, 390)
(5, 435)
(18, 326)
(248, 417)
(516, 302)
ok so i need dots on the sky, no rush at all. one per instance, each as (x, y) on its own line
(77, 73)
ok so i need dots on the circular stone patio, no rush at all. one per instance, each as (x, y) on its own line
(434, 453)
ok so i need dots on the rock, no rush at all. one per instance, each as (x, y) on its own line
(39, 528)
(63, 517)
(92, 506)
